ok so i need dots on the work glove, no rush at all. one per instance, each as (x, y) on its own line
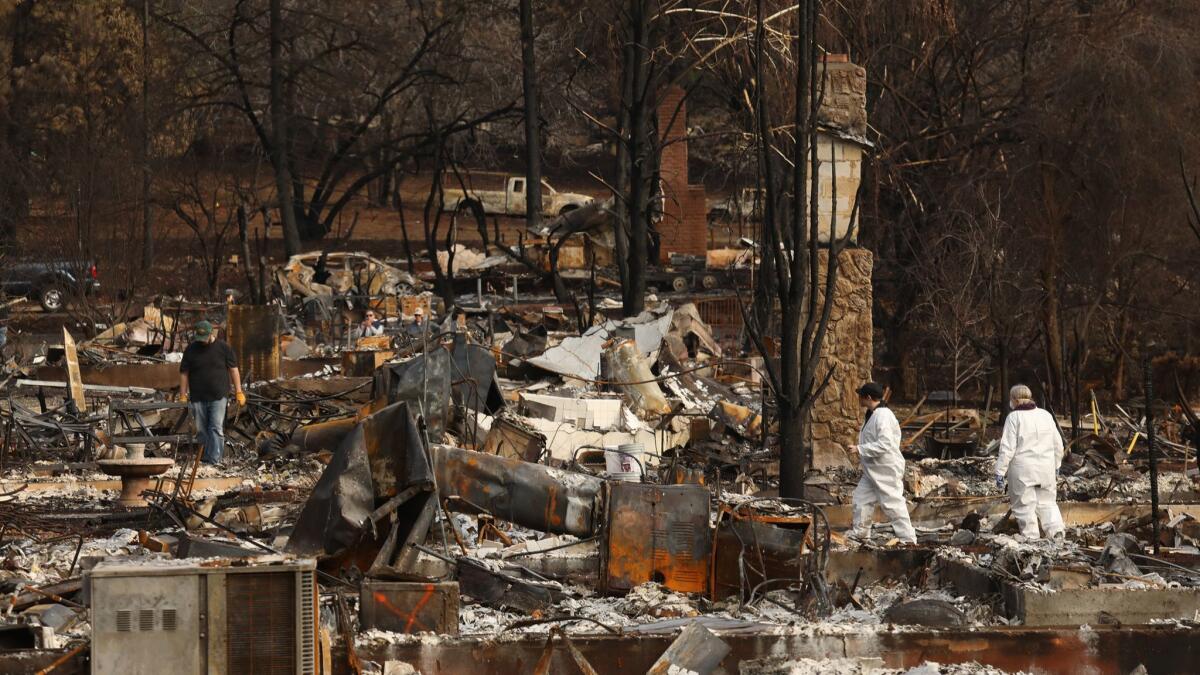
(183, 397)
(241, 398)
(999, 481)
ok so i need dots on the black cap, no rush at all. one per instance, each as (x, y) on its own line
(871, 390)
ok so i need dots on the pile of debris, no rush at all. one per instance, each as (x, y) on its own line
(509, 477)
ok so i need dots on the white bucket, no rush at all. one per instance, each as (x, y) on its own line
(624, 463)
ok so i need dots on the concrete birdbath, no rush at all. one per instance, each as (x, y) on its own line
(135, 474)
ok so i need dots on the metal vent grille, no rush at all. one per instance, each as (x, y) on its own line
(308, 623)
(169, 621)
(124, 621)
(261, 623)
(145, 619)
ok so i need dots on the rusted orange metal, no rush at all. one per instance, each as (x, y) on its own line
(531, 495)
(253, 332)
(657, 533)
(772, 542)
(409, 607)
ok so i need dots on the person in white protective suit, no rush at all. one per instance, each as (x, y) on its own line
(882, 479)
(1031, 450)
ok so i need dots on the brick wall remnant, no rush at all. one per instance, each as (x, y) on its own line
(684, 225)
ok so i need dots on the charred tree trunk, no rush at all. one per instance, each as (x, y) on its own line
(533, 146)
(14, 190)
(280, 161)
(1002, 370)
(257, 295)
(443, 278)
(793, 273)
(641, 146)
(147, 226)
(621, 179)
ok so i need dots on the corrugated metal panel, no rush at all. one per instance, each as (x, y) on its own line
(308, 622)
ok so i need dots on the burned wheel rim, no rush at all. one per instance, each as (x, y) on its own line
(52, 299)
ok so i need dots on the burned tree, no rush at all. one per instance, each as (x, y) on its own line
(533, 146)
(799, 270)
(344, 87)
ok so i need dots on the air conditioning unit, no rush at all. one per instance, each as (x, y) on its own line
(180, 618)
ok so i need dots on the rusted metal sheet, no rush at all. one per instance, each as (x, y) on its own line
(323, 436)
(253, 332)
(508, 440)
(362, 363)
(657, 533)
(530, 495)
(511, 589)
(162, 376)
(771, 543)
(409, 607)
(424, 382)
(379, 467)
(1096, 650)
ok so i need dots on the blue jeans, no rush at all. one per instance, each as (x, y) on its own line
(209, 417)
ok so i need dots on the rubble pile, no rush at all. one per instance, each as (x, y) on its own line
(510, 474)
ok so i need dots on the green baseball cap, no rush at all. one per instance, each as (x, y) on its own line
(201, 331)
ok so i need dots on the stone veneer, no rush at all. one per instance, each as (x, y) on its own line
(836, 417)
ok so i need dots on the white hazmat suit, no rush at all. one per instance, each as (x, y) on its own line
(882, 479)
(1031, 450)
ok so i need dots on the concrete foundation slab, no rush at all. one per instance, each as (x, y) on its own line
(1100, 650)
(1092, 606)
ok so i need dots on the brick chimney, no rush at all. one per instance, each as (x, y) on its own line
(684, 226)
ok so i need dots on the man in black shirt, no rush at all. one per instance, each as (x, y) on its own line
(208, 368)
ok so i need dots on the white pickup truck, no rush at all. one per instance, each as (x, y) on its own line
(503, 195)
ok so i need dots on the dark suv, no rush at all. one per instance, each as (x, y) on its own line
(49, 282)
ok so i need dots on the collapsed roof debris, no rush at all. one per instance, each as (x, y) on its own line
(456, 494)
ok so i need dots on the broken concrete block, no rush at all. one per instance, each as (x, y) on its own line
(584, 413)
(55, 616)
